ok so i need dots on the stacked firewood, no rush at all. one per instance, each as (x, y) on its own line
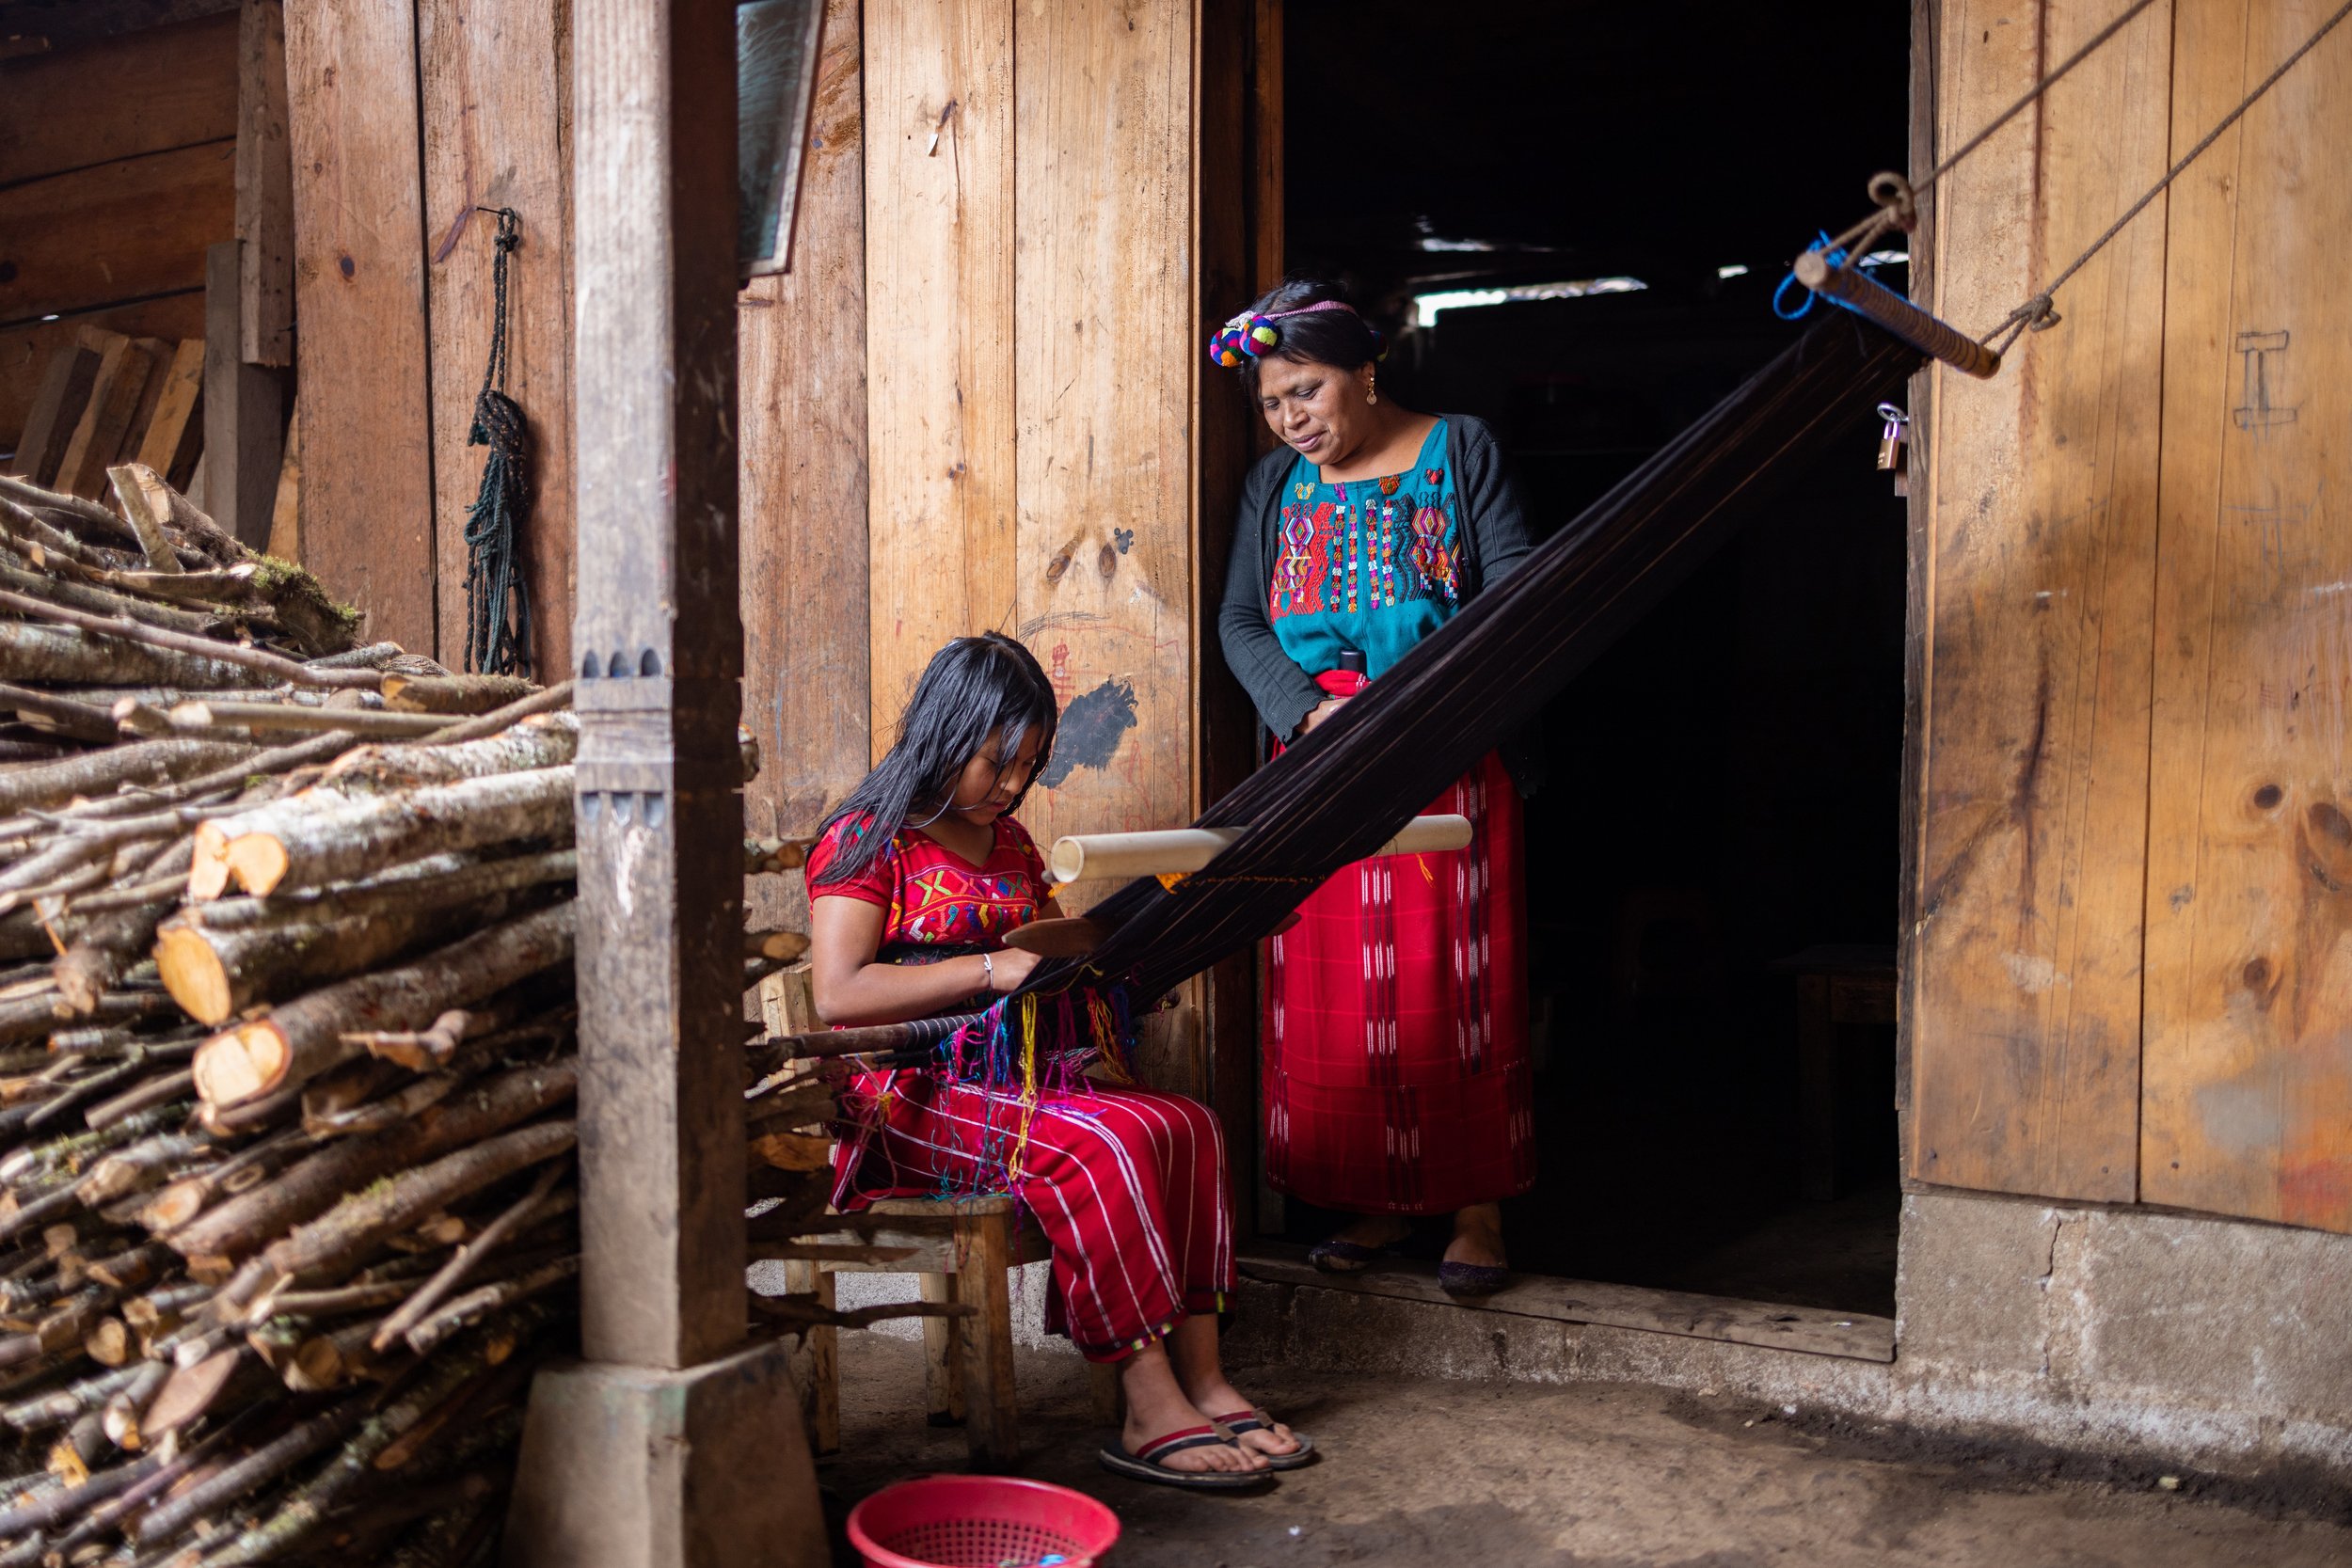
(286, 1061)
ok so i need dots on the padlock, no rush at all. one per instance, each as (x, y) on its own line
(1891, 442)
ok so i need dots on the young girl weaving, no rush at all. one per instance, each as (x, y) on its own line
(914, 885)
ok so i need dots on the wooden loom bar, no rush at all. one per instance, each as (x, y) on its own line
(1891, 310)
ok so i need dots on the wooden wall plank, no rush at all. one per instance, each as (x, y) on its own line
(147, 91)
(2025, 1031)
(940, 338)
(495, 125)
(172, 439)
(27, 350)
(117, 231)
(2247, 1109)
(49, 423)
(1105, 288)
(802, 336)
(125, 366)
(244, 414)
(264, 186)
(367, 522)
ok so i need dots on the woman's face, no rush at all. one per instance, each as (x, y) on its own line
(1320, 409)
(991, 780)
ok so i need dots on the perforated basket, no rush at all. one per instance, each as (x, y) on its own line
(979, 1522)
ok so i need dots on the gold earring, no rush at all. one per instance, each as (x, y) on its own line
(1372, 391)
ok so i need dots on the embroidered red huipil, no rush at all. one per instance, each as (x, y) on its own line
(1128, 1185)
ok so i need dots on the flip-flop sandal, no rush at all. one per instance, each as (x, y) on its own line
(1144, 1464)
(1335, 1255)
(1251, 1421)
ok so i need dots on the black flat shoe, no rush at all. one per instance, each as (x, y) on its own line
(1471, 1281)
(1334, 1256)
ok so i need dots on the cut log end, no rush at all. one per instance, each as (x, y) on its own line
(243, 1064)
(258, 862)
(193, 975)
(208, 875)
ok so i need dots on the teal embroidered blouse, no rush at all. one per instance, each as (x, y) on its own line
(1373, 565)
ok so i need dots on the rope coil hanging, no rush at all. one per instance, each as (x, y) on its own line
(498, 601)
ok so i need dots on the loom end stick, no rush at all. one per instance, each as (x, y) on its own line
(1891, 310)
(1072, 938)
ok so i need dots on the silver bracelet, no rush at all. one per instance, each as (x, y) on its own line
(987, 970)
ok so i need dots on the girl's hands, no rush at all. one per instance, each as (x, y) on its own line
(1008, 968)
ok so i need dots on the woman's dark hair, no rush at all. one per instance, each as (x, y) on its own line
(972, 688)
(1340, 338)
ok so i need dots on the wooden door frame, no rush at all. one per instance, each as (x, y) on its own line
(1237, 213)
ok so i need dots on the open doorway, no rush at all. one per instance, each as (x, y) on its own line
(1580, 215)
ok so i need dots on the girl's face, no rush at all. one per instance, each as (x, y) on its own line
(1319, 410)
(988, 782)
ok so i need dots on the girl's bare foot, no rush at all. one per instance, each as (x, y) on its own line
(1157, 1406)
(1192, 1356)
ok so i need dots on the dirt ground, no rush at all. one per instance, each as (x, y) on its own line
(1593, 1476)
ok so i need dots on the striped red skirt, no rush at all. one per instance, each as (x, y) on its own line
(1127, 1184)
(1396, 1064)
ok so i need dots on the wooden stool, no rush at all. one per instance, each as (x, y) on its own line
(962, 1250)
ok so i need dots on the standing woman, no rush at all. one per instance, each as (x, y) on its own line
(1395, 1046)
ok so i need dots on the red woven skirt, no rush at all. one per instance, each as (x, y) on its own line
(1396, 1065)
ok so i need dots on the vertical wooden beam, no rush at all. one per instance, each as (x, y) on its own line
(264, 186)
(2026, 1034)
(660, 657)
(494, 113)
(802, 340)
(2248, 1097)
(245, 410)
(363, 381)
(940, 341)
(1227, 197)
(1267, 231)
(1106, 580)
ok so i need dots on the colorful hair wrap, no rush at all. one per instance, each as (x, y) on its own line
(1252, 334)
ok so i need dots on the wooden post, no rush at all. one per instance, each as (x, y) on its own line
(264, 188)
(673, 1445)
(245, 410)
(992, 1406)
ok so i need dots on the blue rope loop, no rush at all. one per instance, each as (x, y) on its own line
(1831, 253)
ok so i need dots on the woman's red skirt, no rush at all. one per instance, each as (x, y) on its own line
(1396, 1053)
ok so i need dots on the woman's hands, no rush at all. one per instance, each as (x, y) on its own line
(1322, 711)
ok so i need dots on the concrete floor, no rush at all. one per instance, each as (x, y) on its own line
(1582, 1476)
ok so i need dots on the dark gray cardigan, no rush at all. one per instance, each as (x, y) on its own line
(1493, 523)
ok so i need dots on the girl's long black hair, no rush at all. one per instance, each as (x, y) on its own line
(972, 688)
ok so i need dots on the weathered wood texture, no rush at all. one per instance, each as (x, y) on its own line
(27, 349)
(244, 412)
(1106, 283)
(1230, 223)
(360, 293)
(114, 231)
(496, 99)
(801, 335)
(661, 813)
(147, 91)
(2025, 1027)
(2248, 1100)
(941, 376)
(265, 187)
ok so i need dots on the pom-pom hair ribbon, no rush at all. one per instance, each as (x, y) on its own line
(1252, 334)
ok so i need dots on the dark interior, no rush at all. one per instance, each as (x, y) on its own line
(1724, 789)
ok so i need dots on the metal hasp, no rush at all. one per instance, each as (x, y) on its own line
(1891, 310)
(672, 1443)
